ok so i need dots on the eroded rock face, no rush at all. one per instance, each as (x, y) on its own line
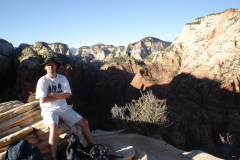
(7, 77)
(138, 50)
(60, 48)
(146, 46)
(209, 47)
(7, 69)
(199, 109)
(190, 74)
(114, 84)
(6, 48)
(134, 146)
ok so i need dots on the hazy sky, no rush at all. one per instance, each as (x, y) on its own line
(112, 22)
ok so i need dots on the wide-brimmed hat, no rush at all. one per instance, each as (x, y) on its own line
(50, 59)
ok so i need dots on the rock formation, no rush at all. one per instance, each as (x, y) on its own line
(60, 48)
(23, 121)
(6, 48)
(197, 74)
(138, 50)
(137, 147)
(207, 48)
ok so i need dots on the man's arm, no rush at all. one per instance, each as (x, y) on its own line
(52, 96)
(59, 95)
(47, 99)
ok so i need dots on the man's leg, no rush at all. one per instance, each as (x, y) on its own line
(53, 139)
(83, 123)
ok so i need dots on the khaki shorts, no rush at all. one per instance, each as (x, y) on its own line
(69, 116)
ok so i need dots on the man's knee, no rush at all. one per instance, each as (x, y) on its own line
(53, 127)
(83, 123)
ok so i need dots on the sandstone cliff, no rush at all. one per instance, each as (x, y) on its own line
(138, 50)
(6, 48)
(197, 74)
(201, 80)
(60, 48)
(207, 48)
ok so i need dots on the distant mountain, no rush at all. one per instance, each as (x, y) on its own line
(138, 50)
(73, 50)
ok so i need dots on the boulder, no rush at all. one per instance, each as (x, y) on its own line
(138, 147)
(6, 48)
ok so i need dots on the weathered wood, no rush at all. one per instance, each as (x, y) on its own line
(63, 143)
(15, 136)
(49, 157)
(2, 105)
(31, 121)
(44, 143)
(32, 138)
(17, 110)
(44, 133)
(15, 121)
(2, 155)
(46, 151)
(4, 149)
(9, 131)
(18, 121)
(39, 125)
(9, 105)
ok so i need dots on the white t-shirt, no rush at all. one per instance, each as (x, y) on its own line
(58, 84)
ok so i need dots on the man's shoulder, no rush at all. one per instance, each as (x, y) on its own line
(60, 76)
(42, 78)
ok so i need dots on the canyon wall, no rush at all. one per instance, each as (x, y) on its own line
(138, 50)
(197, 74)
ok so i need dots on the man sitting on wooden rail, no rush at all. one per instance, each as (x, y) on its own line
(52, 90)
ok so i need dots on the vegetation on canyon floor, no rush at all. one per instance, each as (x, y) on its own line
(117, 60)
(225, 149)
(143, 116)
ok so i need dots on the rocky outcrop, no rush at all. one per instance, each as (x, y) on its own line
(115, 83)
(199, 109)
(197, 74)
(137, 147)
(98, 51)
(60, 48)
(23, 121)
(205, 57)
(146, 46)
(6, 48)
(208, 47)
(73, 50)
(138, 50)
(7, 69)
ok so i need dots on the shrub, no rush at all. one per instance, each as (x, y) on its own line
(219, 82)
(143, 116)
(228, 145)
(118, 60)
(174, 73)
(32, 98)
(223, 150)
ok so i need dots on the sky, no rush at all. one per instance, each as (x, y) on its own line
(111, 22)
